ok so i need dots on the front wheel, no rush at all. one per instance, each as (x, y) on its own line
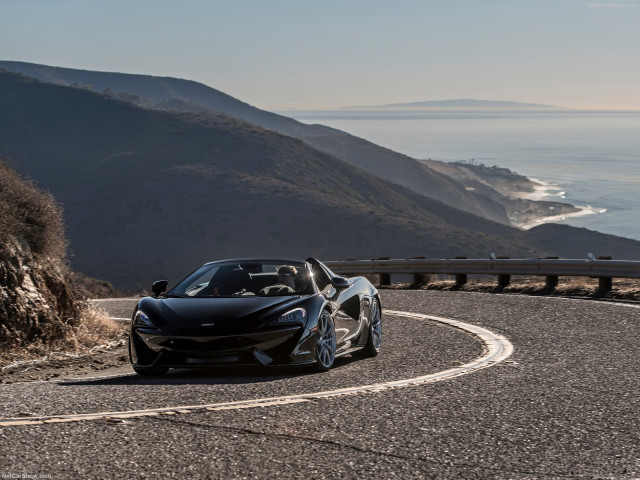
(326, 343)
(374, 340)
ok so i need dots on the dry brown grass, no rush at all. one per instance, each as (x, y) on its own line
(623, 289)
(92, 332)
(41, 315)
(30, 213)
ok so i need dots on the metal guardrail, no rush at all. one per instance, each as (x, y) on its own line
(551, 268)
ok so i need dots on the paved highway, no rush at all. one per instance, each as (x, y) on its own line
(563, 405)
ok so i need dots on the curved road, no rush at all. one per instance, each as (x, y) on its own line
(564, 405)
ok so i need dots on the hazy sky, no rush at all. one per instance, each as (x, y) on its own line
(288, 54)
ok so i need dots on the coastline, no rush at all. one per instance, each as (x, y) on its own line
(543, 190)
(528, 201)
(583, 211)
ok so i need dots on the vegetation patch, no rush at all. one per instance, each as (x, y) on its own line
(40, 309)
(577, 287)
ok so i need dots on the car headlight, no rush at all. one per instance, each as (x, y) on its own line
(140, 319)
(297, 316)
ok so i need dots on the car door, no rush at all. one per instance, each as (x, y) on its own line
(345, 303)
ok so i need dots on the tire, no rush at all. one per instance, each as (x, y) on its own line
(326, 343)
(374, 339)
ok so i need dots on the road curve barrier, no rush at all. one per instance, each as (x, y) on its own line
(602, 268)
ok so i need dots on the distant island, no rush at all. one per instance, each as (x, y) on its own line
(459, 104)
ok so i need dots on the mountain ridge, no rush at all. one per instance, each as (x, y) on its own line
(381, 161)
(148, 193)
(151, 194)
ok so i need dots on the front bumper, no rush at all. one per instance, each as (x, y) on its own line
(279, 346)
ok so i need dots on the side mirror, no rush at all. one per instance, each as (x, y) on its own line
(339, 283)
(158, 287)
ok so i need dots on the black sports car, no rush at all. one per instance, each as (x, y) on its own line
(255, 311)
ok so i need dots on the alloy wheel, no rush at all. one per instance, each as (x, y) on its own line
(326, 344)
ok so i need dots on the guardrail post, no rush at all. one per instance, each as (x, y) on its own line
(503, 280)
(420, 278)
(385, 278)
(550, 281)
(605, 284)
(461, 278)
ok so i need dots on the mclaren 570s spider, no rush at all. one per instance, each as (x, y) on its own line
(254, 311)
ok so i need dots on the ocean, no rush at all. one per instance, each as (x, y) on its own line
(590, 159)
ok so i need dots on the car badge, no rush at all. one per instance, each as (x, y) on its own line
(207, 324)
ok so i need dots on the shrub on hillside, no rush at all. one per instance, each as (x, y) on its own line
(40, 310)
(30, 214)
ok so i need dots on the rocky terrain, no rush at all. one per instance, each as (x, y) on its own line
(40, 310)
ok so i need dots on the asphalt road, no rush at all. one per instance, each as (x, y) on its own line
(565, 405)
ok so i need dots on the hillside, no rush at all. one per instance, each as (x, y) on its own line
(150, 194)
(185, 95)
(39, 307)
(565, 241)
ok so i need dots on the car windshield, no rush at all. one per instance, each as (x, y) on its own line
(255, 278)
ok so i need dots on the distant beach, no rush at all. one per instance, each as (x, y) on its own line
(544, 191)
(590, 159)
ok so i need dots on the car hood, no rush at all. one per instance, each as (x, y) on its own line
(212, 315)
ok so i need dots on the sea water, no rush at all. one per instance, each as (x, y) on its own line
(590, 159)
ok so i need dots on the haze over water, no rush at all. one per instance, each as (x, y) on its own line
(592, 158)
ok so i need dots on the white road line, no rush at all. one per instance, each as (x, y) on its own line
(497, 349)
(615, 303)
